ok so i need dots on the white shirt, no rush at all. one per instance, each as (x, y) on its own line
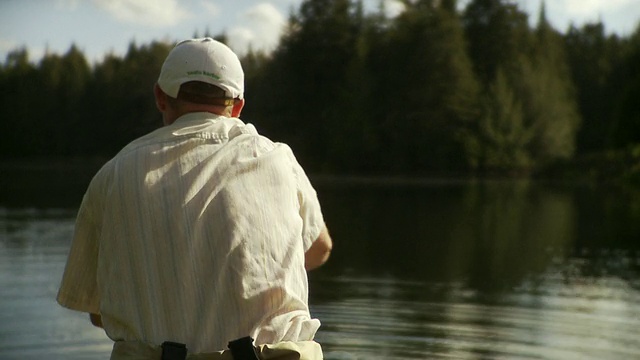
(196, 233)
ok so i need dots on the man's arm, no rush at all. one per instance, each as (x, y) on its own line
(319, 252)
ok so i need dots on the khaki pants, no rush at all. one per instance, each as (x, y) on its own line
(286, 350)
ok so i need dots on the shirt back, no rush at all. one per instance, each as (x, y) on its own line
(200, 230)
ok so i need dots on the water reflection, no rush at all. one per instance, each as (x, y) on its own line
(390, 319)
(489, 235)
(480, 270)
(33, 248)
(512, 270)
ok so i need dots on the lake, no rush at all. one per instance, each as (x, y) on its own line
(432, 269)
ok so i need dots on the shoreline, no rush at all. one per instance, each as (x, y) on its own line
(613, 168)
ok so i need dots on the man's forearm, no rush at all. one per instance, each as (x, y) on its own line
(319, 252)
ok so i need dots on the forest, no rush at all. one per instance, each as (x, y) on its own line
(435, 91)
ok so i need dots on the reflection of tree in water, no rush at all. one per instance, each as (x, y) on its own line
(490, 234)
(388, 230)
(511, 231)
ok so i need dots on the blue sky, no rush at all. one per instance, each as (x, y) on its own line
(101, 26)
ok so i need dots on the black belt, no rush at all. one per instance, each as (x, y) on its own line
(173, 351)
(241, 349)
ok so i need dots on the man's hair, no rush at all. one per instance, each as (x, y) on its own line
(199, 92)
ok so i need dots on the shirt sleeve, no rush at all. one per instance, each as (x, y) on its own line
(310, 210)
(79, 288)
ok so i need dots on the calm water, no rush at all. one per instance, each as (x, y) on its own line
(433, 270)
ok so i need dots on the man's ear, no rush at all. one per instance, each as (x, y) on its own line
(237, 108)
(161, 98)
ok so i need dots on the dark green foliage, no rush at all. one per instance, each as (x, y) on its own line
(502, 138)
(530, 117)
(431, 91)
(593, 59)
(624, 130)
(122, 91)
(606, 73)
(63, 107)
(304, 91)
(424, 93)
(18, 81)
(498, 34)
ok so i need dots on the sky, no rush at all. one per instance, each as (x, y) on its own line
(98, 27)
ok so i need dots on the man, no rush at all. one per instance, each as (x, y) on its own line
(200, 232)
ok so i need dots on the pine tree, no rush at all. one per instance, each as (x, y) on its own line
(503, 135)
(548, 95)
(425, 90)
(624, 129)
(498, 34)
(19, 135)
(305, 86)
(594, 62)
(535, 76)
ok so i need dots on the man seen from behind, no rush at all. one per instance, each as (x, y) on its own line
(200, 232)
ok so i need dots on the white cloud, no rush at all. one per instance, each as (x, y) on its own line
(240, 38)
(581, 8)
(263, 25)
(156, 13)
(620, 16)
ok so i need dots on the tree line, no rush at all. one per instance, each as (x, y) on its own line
(434, 90)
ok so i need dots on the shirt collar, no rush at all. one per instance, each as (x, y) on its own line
(198, 117)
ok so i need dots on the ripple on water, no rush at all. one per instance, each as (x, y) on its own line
(558, 319)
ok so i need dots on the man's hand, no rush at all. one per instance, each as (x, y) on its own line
(319, 251)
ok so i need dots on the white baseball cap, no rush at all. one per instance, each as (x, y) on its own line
(205, 60)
